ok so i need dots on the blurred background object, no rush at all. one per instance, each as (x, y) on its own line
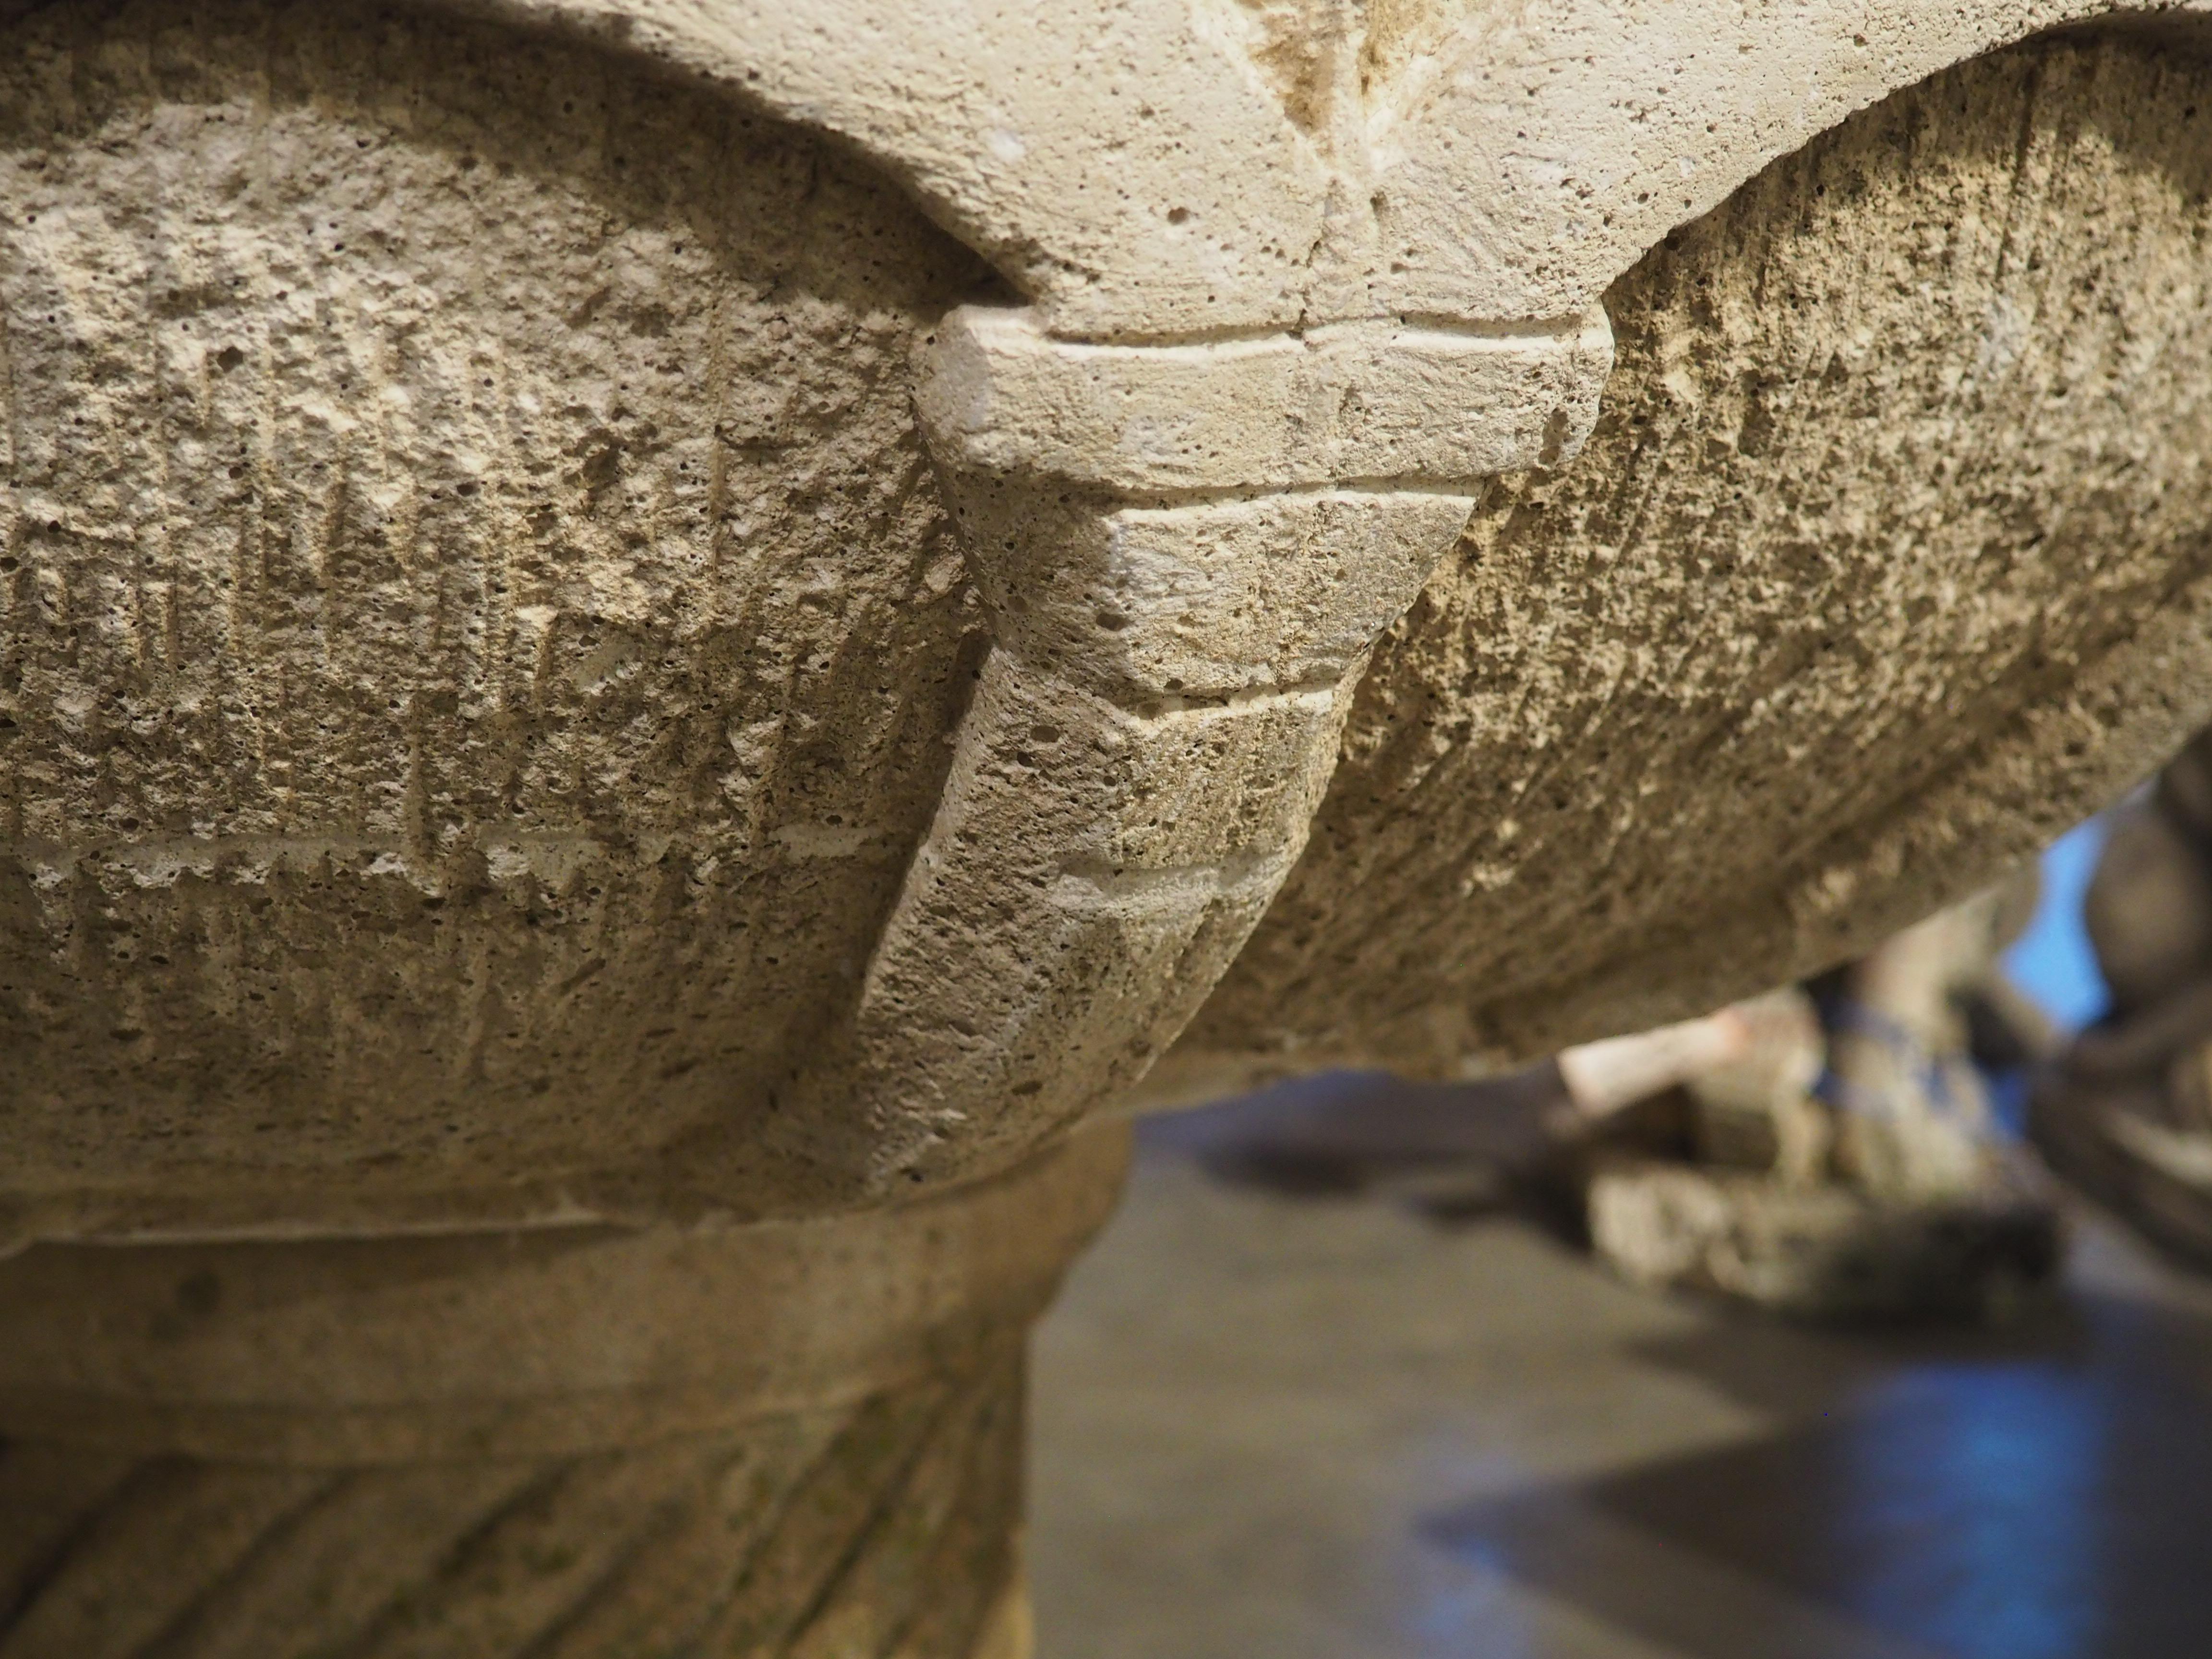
(1325, 1388)
(1833, 1150)
(1847, 1160)
(2125, 1115)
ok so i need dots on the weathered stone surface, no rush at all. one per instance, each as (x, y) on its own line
(510, 792)
(539, 1342)
(663, 610)
(796, 1437)
(1374, 403)
(477, 629)
(889, 1525)
(1119, 165)
(668, 610)
(1884, 562)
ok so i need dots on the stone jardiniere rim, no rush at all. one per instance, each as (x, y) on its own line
(1083, 955)
(1091, 971)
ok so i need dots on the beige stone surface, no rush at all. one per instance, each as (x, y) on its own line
(502, 707)
(1125, 167)
(478, 627)
(1370, 403)
(793, 1438)
(886, 1526)
(1530, 153)
(1884, 564)
(552, 1341)
(726, 614)
(1158, 170)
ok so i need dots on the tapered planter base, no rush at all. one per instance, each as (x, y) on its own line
(800, 1438)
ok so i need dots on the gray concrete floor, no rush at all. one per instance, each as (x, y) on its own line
(1279, 1428)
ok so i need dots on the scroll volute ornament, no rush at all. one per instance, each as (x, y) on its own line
(496, 575)
(586, 700)
(486, 621)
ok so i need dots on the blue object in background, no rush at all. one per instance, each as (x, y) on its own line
(2052, 961)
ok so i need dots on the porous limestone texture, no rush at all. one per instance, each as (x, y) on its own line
(1887, 561)
(1172, 169)
(889, 1525)
(679, 620)
(477, 627)
(1167, 681)
(738, 608)
(686, 620)
(516, 659)
(793, 1438)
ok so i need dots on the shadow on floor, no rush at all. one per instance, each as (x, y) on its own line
(2036, 1495)
(1329, 1428)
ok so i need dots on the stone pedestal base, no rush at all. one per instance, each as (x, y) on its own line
(800, 1438)
(885, 1527)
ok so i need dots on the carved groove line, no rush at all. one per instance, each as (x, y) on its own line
(883, 1529)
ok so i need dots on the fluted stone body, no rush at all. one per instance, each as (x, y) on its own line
(646, 647)
(1884, 566)
(787, 1437)
(479, 630)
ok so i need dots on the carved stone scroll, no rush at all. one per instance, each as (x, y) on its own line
(1885, 564)
(645, 644)
(1187, 552)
